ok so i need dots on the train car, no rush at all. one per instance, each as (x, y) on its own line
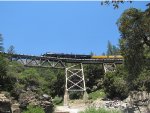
(108, 57)
(49, 54)
(77, 56)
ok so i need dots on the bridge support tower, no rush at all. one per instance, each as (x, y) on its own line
(109, 67)
(75, 81)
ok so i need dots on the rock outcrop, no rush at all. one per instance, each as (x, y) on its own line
(31, 98)
(138, 101)
(5, 104)
(46, 103)
(15, 108)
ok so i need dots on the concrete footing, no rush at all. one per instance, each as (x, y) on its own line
(66, 97)
(85, 96)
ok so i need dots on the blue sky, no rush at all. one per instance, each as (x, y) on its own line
(61, 27)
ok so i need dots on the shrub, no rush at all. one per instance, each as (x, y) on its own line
(115, 84)
(97, 94)
(93, 75)
(31, 109)
(142, 82)
(17, 89)
(100, 110)
(75, 95)
(57, 100)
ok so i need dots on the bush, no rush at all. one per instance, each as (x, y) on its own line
(115, 84)
(100, 110)
(97, 94)
(32, 109)
(142, 82)
(75, 95)
(57, 100)
(93, 76)
(3, 73)
(17, 89)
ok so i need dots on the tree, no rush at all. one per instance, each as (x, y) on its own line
(3, 71)
(55, 81)
(103, 54)
(115, 3)
(93, 76)
(135, 32)
(11, 49)
(109, 48)
(1, 44)
(115, 84)
(112, 49)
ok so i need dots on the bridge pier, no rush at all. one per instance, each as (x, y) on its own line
(109, 67)
(74, 81)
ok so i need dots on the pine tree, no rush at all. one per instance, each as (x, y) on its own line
(11, 49)
(112, 49)
(1, 44)
(109, 48)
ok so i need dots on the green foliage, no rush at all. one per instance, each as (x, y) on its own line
(14, 69)
(17, 88)
(75, 95)
(146, 52)
(1, 44)
(59, 85)
(30, 76)
(134, 43)
(19, 78)
(3, 67)
(97, 94)
(57, 100)
(115, 3)
(3, 73)
(142, 82)
(55, 81)
(32, 109)
(100, 110)
(93, 77)
(115, 85)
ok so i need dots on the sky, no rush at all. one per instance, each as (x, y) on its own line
(75, 27)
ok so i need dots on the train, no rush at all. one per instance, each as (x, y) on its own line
(79, 56)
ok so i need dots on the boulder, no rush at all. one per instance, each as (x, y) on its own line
(5, 104)
(28, 98)
(15, 108)
(46, 103)
(138, 101)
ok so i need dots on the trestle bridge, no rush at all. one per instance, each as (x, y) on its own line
(74, 72)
